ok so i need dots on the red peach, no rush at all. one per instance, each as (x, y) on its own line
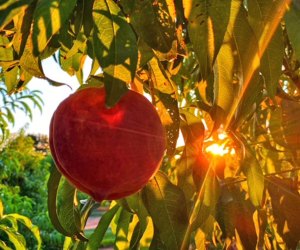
(107, 153)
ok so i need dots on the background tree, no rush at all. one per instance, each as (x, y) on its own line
(223, 72)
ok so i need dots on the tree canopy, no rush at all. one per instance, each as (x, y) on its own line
(218, 71)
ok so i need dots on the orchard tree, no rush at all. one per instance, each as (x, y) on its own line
(223, 74)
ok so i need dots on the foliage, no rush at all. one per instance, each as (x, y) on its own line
(9, 226)
(210, 67)
(13, 102)
(23, 189)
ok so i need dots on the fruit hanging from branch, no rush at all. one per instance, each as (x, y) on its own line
(108, 153)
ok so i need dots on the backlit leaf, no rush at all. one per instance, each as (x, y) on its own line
(115, 48)
(167, 108)
(260, 18)
(159, 77)
(246, 46)
(27, 222)
(255, 177)
(164, 202)
(1, 209)
(223, 71)
(4, 246)
(14, 237)
(207, 24)
(49, 17)
(191, 167)
(23, 25)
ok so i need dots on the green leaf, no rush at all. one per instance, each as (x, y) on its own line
(6, 51)
(134, 204)
(53, 184)
(121, 241)
(10, 9)
(260, 17)
(49, 17)
(255, 177)
(14, 237)
(97, 236)
(11, 79)
(115, 48)
(68, 213)
(292, 19)
(207, 24)
(207, 199)
(164, 202)
(31, 63)
(27, 222)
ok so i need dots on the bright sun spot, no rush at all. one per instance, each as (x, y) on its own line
(217, 149)
(221, 147)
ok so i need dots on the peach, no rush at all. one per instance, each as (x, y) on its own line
(108, 153)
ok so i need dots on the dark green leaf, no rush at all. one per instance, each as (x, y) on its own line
(234, 212)
(115, 48)
(68, 213)
(49, 17)
(292, 19)
(164, 202)
(285, 201)
(207, 24)
(154, 22)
